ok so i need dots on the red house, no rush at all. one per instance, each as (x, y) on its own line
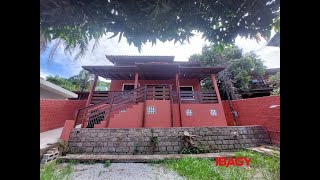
(152, 91)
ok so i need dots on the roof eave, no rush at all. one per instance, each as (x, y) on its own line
(57, 89)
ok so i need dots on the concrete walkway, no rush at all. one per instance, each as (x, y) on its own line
(137, 158)
(49, 137)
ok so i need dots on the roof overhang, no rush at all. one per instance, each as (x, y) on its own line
(56, 89)
(275, 40)
(152, 71)
(121, 59)
(272, 70)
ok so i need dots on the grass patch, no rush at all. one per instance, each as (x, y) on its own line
(107, 163)
(54, 171)
(268, 166)
(74, 162)
(261, 167)
(89, 162)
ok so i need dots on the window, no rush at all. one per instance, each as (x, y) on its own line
(188, 112)
(151, 110)
(128, 87)
(213, 112)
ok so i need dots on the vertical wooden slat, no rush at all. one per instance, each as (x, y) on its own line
(171, 106)
(199, 97)
(92, 89)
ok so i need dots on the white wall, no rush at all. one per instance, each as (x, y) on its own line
(45, 94)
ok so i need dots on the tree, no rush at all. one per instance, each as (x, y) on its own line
(275, 81)
(101, 84)
(81, 82)
(62, 82)
(75, 23)
(238, 69)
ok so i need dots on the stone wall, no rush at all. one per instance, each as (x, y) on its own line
(128, 141)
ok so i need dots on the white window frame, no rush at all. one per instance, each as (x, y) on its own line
(187, 99)
(128, 84)
(151, 109)
(188, 112)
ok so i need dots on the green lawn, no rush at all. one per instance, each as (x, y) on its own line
(54, 171)
(261, 167)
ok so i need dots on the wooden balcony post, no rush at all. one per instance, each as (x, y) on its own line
(93, 87)
(178, 95)
(136, 77)
(215, 86)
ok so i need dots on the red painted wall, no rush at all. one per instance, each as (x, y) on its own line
(176, 115)
(116, 85)
(67, 128)
(132, 118)
(257, 111)
(162, 117)
(201, 115)
(54, 112)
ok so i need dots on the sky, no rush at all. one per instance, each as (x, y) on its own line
(64, 66)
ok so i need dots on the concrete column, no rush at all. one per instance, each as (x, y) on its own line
(215, 86)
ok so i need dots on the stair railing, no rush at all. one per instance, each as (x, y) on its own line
(94, 114)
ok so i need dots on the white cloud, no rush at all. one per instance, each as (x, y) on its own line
(270, 55)
(44, 74)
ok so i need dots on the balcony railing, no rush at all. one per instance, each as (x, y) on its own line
(197, 97)
(163, 93)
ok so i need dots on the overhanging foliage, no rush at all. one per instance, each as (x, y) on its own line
(76, 22)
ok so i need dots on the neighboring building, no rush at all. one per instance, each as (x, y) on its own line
(275, 40)
(82, 95)
(49, 90)
(259, 86)
(152, 91)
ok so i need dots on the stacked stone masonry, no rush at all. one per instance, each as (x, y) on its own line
(137, 141)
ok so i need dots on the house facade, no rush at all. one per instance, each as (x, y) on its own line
(152, 91)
